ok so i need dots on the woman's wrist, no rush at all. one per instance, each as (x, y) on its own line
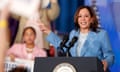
(48, 32)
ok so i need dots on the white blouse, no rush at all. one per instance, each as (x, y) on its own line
(81, 41)
(29, 55)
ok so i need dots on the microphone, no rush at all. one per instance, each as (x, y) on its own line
(60, 50)
(74, 39)
(71, 44)
(65, 39)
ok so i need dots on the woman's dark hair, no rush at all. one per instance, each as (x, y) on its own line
(94, 24)
(27, 29)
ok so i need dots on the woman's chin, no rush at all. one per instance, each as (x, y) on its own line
(29, 43)
(84, 27)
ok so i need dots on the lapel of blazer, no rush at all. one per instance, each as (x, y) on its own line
(74, 53)
(89, 39)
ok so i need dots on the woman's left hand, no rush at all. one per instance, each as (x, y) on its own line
(105, 65)
(44, 29)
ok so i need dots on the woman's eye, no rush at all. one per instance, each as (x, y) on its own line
(83, 16)
(86, 16)
(79, 16)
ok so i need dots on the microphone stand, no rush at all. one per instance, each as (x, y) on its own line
(60, 52)
(68, 54)
(71, 44)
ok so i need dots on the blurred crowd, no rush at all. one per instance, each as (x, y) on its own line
(27, 41)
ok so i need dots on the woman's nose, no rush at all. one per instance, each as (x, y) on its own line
(83, 18)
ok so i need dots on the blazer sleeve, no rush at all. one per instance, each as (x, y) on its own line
(107, 50)
(54, 39)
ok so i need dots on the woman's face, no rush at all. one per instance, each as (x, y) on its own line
(29, 36)
(84, 19)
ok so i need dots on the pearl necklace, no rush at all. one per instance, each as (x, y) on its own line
(29, 50)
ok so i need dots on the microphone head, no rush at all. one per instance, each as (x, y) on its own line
(65, 39)
(74, 39)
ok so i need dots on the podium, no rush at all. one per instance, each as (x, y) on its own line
(68, 64)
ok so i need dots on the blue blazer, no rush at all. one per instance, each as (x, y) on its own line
(96, 45)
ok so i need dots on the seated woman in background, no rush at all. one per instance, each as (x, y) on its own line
(27, 49)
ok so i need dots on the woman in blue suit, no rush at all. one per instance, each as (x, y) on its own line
(92, 41)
